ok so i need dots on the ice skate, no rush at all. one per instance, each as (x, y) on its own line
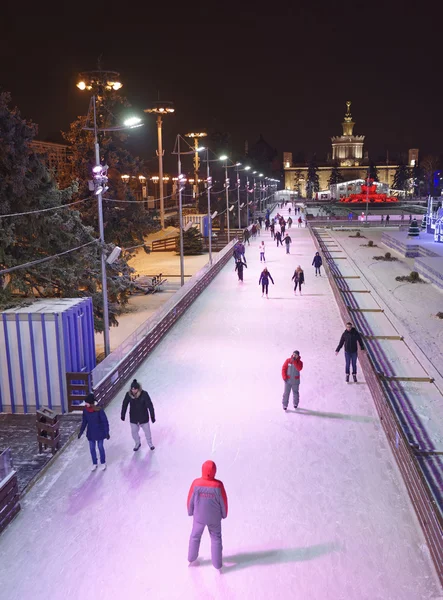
(94, 468)
(137, 446)
(103, 467)
(355, 378)
(194, 563)
(347, 378)
(152, 447)
(285, 408)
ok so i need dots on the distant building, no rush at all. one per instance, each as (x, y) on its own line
(55, 156)
(347, 155)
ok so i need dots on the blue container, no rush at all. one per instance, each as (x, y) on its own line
(39, 344)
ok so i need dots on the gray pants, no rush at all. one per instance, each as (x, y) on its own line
(135, 436)
(216, 542)
(291, 385)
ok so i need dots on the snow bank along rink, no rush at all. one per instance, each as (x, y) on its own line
(317, 507)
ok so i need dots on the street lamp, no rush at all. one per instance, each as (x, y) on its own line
(98, 82)
(225, 159)
(160, 109)
(196, 137)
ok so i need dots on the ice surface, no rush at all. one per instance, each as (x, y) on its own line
(317, 507)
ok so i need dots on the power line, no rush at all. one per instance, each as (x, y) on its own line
(34, 212)
(42, 260)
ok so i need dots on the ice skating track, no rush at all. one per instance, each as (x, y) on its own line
(317, 507)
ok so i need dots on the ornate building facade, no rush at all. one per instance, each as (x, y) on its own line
(55, 156)
(347, 155)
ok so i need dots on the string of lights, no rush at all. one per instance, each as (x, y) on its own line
(42, 260)
(42, 210)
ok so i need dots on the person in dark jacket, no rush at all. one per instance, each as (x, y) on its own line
(277, 236)
(272, 229)
(97, 430)
(349, 339)
(264, 281)
(246, 236)
(298, 278)
(140, 407)
(287, 242)
(317, 262)
(239, 264)
(208, 504)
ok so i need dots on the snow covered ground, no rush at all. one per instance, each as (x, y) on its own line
(317, 507)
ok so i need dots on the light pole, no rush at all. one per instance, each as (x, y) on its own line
(208, 187)
(238, 195)
(98, 82)
(196, 137)
(160, 109)
(225, 158)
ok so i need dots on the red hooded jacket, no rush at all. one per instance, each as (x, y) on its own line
(207, 499)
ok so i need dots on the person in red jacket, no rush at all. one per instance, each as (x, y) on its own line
(291, 376)
(208, 504)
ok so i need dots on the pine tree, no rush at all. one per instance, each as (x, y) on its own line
(26, 185)
(373, 172)
(418, 179)
(192, 242)
(336, 176)
(125, 223)
(401, 178)
(312, 183)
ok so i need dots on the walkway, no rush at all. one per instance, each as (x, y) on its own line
(317, 508)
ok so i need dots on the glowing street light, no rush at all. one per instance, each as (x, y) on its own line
(161, 108)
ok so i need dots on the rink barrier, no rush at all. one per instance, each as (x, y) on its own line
(406, 455)
(114, 371)
(9, 492)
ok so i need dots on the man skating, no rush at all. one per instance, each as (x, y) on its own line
(291, 376)
(140, 407)
(208, 504)
(287, 242)
(349, 339)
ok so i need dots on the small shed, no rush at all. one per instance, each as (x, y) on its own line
(39, 344)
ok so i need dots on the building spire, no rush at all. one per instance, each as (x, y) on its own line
(348, 123)
(348, 117)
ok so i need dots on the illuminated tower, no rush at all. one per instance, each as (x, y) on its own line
(347, 149)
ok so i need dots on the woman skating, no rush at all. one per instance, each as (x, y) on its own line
(97, 430)
(262, 252)
(264, 281)
(298, 278)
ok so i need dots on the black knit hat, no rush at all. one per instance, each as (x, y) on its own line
(90, 399)
(135, 385)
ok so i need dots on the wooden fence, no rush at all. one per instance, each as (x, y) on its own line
(407, 460)
(9, 499)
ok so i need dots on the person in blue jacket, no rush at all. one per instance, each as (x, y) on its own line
(97, 430)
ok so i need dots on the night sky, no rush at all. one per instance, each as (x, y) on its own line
(282, 71)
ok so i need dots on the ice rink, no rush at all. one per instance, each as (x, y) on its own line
(317, 507)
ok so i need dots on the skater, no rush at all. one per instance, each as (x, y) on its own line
(246, 236)
(289, 209)
(253, 231)
(239, 264)
(262, 252)
(291, 376)
(299, 221)
(258, 227)
(140, 407)
(267, 224)
(272, 229)
(282, 227)
(298, 278)
(317, 263)
(260, 221)
(97, 430)
(265, 276)
(277, 236)
(289, 223)
(388, 218)
(208, 504)
(350, 337)
(288, 241)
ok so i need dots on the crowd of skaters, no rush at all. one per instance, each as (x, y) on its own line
(207, 500)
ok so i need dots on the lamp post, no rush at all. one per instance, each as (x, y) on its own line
(208, 187)
(225, 159)
(238, 195)
(196, 137)
(98, 82)
(160, 109)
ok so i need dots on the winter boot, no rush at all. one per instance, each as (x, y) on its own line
(355, 378)
(152, 447)
(137, 447)
(347, 378)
